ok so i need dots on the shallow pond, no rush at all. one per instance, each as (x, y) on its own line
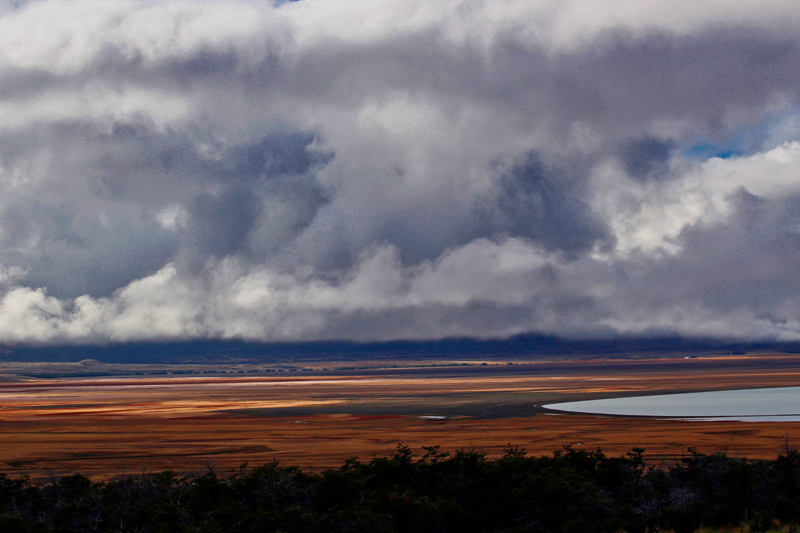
(753, 405)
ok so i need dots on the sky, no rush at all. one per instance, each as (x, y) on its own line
(398, 169)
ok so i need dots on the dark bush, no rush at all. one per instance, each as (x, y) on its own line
(571, 491)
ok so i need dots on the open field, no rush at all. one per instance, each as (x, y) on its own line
(104, 426)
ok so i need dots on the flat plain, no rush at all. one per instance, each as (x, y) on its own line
(112, 422)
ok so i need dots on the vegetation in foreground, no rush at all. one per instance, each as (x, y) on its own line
(571, 491)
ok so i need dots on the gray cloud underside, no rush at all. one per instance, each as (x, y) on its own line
(329, 170)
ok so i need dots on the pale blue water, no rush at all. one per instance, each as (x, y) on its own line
(753, 405)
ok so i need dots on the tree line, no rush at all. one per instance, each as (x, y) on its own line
(569, 491)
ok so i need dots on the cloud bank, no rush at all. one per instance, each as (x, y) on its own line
(332, 169)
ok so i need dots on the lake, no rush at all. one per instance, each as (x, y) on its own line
(752, 405)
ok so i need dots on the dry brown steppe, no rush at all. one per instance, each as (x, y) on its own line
(106, 426)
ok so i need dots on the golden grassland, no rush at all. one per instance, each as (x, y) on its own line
(105, 426)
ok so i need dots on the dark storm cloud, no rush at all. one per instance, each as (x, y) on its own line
(277, 154)
(646, 158)
(74, 246)
(79, 252)
(218, 225)
(330, 170)
(203, 65)
(536, 204)
(747, 259)
(627, 82)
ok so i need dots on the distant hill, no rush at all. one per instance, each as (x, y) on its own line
(521, 347)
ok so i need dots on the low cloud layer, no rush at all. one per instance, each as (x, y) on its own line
(331, 169)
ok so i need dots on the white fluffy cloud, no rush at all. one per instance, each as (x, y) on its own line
(329, 169)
